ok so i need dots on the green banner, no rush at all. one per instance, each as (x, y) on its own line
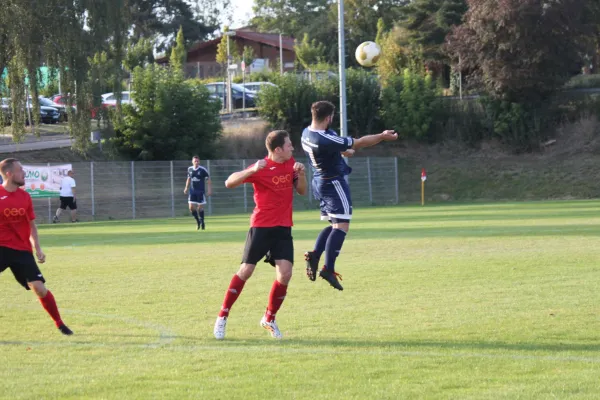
(43, 181)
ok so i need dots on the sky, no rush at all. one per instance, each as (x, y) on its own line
(242, 11)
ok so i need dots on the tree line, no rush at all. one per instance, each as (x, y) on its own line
(516, 54)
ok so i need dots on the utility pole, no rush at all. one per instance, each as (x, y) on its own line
(342, 64)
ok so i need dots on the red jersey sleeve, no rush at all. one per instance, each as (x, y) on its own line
(251, 178)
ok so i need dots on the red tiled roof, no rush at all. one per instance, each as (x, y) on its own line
(270, 39)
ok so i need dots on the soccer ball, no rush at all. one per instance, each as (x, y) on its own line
(367, 54)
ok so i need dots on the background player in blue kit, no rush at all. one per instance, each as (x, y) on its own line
(324, 149)
(199, 186)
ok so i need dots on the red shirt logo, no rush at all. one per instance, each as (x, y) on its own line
(273, 194)
(16, 214)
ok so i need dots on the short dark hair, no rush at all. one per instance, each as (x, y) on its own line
(321, 110)
(276, 139)
(196, 157)
(7, 164)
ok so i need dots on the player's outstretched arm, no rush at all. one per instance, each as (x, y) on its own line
(238, 178)
(372, 140)
(35, 242)
(300, 183)
(209, 187)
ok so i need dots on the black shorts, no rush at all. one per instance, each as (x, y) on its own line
(22, 264)
(197, 198)
(277, 240)
(68, 202)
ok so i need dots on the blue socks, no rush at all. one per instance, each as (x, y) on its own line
(321, 242)
(333, 247)
(202, 214)
(195, 214)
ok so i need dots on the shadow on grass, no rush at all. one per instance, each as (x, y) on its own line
(351, 347)
(91, 238)
(405, 345)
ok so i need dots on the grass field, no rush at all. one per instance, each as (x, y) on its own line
(498, 301)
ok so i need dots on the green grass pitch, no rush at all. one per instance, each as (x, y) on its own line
(492, 301)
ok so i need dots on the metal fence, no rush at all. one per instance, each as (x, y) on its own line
(154, 189)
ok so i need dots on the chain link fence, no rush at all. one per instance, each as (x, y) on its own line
(154, 189)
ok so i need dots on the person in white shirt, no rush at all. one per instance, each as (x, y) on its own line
(67, 197)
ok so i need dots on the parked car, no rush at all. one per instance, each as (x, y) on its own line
(110, 99)
(238, 92)
(256, 86)
(48, 115)
(63, 99)
(62, 108)
(46, 109)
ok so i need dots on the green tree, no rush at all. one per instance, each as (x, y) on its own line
(60, 34)
(172, 118)
(234, 53)
(162, 19)
(410, 103)
(178, 53)
(309, 52)
(362, 21)
(319, 19)
(521, 50)
(394, 58)
(381, 31)
(289, 17)
(213, 13)
(427, 23)
(248, 56)
(139, 53)
(296, 17)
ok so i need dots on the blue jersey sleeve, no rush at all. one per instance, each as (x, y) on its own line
(335, 143)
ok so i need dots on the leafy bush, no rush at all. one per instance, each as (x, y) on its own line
(171, 118)
(363, 102)
(519, 125)
(287, 105)
(462, 121)
(410, 104)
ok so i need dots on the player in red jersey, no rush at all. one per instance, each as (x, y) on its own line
(18, 233)
(274, 179)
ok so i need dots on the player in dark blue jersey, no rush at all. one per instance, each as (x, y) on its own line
(324, 149)
(199, 186)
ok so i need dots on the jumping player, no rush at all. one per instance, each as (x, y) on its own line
(324, 149)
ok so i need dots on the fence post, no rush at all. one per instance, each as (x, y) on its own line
(369, 180)
(133, 189)
(245, 189)
(92, 191)
(172, 192)
(49, 201)
(209, 200)
(396, 175)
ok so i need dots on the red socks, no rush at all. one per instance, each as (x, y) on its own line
(51, 308)
(276, 297)
(233, 292)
